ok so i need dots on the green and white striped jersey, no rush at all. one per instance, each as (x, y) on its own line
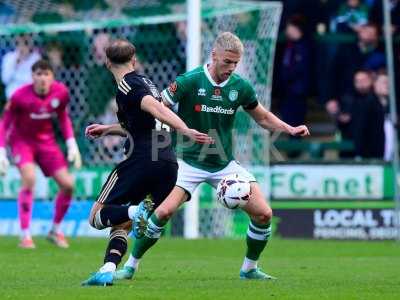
(210, 108)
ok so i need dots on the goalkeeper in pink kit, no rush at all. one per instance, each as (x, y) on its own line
(27, 128)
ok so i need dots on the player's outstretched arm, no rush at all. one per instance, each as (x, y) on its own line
(95, 131)
(165, 115)
(268, 120)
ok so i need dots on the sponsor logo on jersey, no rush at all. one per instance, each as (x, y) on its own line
(41, 116)
(213, 109)
(201, 92)
(155, 92)
(233, 95)
(152, 87)
(217, 95)
(54, 103)
(172, 88)
(148, 81)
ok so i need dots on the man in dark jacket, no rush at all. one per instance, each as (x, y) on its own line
(361, 119)
(294, 74)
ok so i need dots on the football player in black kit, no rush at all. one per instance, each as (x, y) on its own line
(150, 167)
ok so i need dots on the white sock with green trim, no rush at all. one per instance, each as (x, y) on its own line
(132, 262)
(248, 264)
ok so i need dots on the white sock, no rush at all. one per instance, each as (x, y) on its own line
(108, 267)
(131, 211)
(55, 228)
(132, 262)
(248, 264)
(26, 233)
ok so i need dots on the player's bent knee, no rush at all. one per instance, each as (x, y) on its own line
(127, 226)
(28, 182)
(265, 217)
(269, 213)
(96, 221)
(94, 218)
(68, 186)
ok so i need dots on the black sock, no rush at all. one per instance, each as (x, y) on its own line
(111, 215)
(116, 246)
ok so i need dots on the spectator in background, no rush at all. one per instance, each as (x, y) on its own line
(110, 148)
(366, 54)
(16, 65)
(99, 89)
(350, 17)
(381, 89)
(361, 118)
(377, 14)
(54, 53)
(7, 13)
(316, 12)
(293, 76)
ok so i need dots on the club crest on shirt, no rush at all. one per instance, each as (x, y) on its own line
(55, 103)
(233, 95)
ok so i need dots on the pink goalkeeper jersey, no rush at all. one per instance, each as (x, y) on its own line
(28, 117)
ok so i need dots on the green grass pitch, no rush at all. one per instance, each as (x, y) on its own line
(206, 269)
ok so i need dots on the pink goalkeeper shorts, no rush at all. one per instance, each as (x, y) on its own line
(47, 155)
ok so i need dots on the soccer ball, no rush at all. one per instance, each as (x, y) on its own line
(233, 191)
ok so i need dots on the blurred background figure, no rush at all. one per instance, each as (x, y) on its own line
(376, 15)
(365, 54)
(360, 119)
(6, 12)
(110, 147)
(381, 89)
(293, 78)
(16, 65)
(98, 78)
(54, 54)
(350, 17)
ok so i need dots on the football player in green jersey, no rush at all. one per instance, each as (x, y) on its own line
(208, 98)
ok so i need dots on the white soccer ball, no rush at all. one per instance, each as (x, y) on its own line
(233, 191)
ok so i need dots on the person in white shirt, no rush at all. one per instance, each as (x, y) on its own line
(16, 65)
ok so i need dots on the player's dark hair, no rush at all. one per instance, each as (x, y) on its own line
(120, 51)
(42, 64)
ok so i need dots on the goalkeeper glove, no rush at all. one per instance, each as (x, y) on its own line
(73, 154)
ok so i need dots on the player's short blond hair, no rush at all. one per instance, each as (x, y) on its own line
(227, 41)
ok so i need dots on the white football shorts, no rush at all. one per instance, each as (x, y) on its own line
(190, 177)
